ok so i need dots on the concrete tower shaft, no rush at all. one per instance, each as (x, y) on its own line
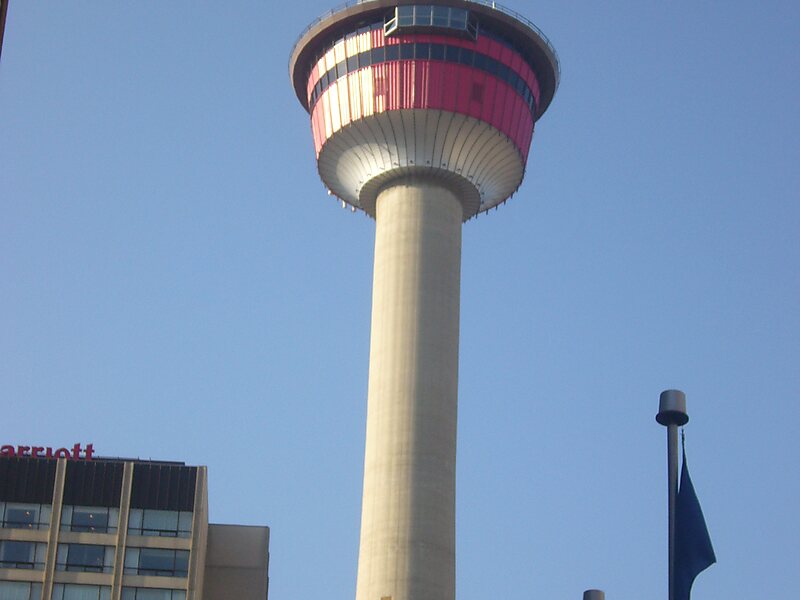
(422, 116)
(408, 507)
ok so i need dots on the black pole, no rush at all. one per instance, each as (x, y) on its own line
(672, 414)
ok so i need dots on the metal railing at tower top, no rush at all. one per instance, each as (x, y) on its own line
(487, 3)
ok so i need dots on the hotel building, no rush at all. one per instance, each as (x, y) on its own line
(120, 529)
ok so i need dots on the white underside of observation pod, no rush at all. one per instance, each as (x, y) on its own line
(480, 163)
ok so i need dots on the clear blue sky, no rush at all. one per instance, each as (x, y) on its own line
(176, 284)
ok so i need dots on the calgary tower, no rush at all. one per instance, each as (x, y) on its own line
(422, 116)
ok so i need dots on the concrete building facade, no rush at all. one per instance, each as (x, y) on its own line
(117, 529)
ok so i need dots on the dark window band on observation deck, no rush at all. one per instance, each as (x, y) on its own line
(426, 51)
(423, 17)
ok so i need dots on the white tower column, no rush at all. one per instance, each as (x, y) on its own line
(407, 547)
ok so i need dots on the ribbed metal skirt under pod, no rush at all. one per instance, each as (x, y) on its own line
(480, 163)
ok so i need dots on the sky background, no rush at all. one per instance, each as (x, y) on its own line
(176, 284)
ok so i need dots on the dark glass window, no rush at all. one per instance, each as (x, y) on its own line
(341, 69)
(162, 523)
(441, 16)
(89, 521)
(365, 59)
(22, 590)
(458, 18)
(22, 555)
(97, 519)
(437, 51)
(405, 16)
(16, 554)
(422, 15)
(480, 61)
(21, 518)
(425, 15)
(451, 53)
(85, 557)
(422, 51)
(24, 516)
(157, 561)
(466, 57)
(77, 591)
(392, 52)
(502, 71)
(378, 55)
(133, 593)
(352, 63)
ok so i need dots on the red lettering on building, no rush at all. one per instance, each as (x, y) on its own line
(77, 452)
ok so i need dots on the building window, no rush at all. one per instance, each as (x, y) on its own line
(162, 523)
(24, 516)
(88, 558)
(419, 18)
(73, 591)
(133, 593)
(95, 519)
(405, 16)
(157, 561)
(22, 555)
(422, 15)
(20, 590)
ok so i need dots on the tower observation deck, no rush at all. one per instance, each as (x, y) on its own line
(422, 116)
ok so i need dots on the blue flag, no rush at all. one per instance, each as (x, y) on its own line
(693, 550)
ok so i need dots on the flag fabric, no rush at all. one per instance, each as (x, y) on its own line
(693, 550)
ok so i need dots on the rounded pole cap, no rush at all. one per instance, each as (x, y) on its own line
(672, 408)
(594, 595)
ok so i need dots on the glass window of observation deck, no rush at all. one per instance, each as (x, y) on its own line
(458, 18)
(427, 16)
(422, 15)
(405, 16)
(441, 16)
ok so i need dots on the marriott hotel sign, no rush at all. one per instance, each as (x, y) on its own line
(74, 453)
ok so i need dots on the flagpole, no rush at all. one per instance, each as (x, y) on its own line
(672, 414)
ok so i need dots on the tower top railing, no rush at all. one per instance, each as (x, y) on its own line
(487, 3)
